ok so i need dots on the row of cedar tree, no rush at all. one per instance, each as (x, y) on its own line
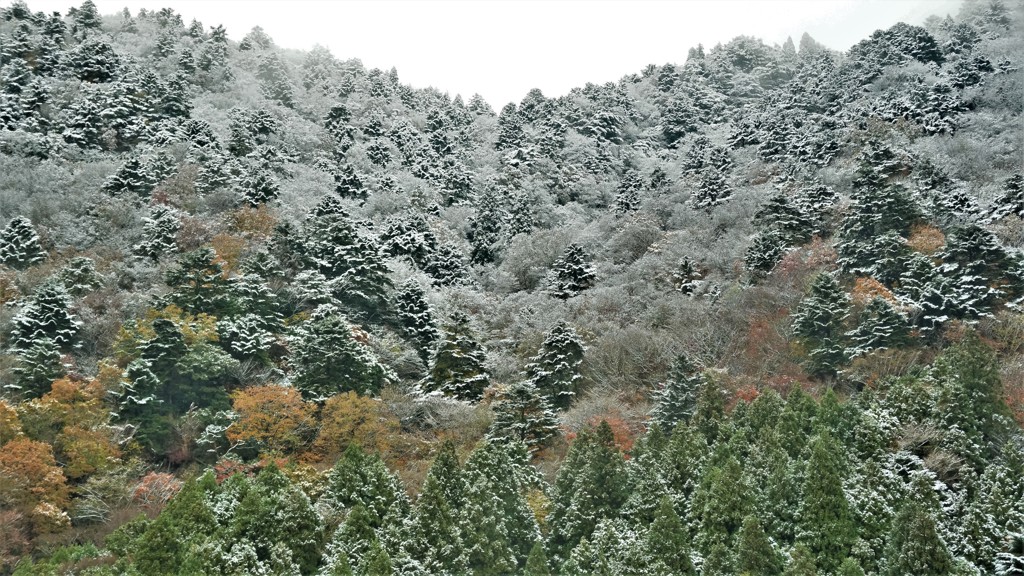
(269, 312)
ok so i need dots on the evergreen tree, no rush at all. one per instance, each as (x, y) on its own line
(46, 316)
(628, 198)
(720, 503)
(485, 230)
(446, 266)
(712, 190)
(522, 413)
(328, 358)
(755, 553)
(159, 233)
(458, 368)
(363, 480)
(881, 326)
(801, 563)
(199, 284)
(274, 80)
(334, 246)
(19, 244)
(555, 370)
(676, 399)
(434, 537)
(667, 544)
(416, 318)
(818, 323)
(537, 562)
(591, 486)
(915, 546)
(258, 187)
(571, 274)
(38, 366)
(1011, 201)
(826, 524)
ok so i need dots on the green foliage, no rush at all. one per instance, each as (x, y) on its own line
(457, 369)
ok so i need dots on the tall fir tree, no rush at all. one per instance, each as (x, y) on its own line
(555, 370)
(676, 398)
(571, 274)
(416, 318)
(457, 368)
(19, 244)
(818, 323)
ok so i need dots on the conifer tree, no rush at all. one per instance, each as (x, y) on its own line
(416, 318)
(537, 562)
(915, 546)
(328, 359)
(486, 228)
(818, 323)
(720, 503)
(446, 265)
(555, 370)
(258, 187)
(881, 326)
(199, 284)
(628, 197)
(361, 479)
(458, 367)
(571, 274)
(712, 190)
(1011, 201)
(754, 551)
(159, 233)
(826, 524)
(591, 486)
(19, 244)
(676, 399)
(801, 563)
(46, 316)
(667, 544)
(435, 539)
(522, 413)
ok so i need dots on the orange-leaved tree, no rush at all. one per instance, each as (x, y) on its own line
(351, 418)
(271, 418)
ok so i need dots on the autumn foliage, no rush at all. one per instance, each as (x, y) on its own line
(275, 418)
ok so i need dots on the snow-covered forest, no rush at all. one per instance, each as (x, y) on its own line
(757, 312)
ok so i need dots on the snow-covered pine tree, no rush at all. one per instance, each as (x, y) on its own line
(416, 318)
(627, 198)
(571, 274)
(522, 413)
(676, 398)
(457, 368)
(712, 190)
(47, 315)
(1011, 201)
(19, 244)
(159, 233)
(555, 370)
(486, 228)
(328, 358)
(818, 324)
(880, 326)
(258, 186)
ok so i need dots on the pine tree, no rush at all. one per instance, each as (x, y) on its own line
(826, 524)
(818, 323)
(915, 546)
(328, 359)
(1011, 201)
(537, 562)
(416, 318)
(881, 326)
(19, 244)
(38, 366)
(486, 229)
(720, 503)
(274, 80)
(46, 316)
(435, 539)
(159, 233)
(199, 284)
(555, 370)
(676, 399)
(336, 247)
(591, 486)
(801, 563)
(79, 276)
(571, 274)
(458, 368)
(628, 198)
(361, 479)
(258, 187)
(522, 413)
(686, 277)
(712, 190)
(754, 551)
(667, 544)
(446, 266)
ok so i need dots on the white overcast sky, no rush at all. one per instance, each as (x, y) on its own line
(501, 49)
